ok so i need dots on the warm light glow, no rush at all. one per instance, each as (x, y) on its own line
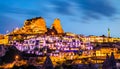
(16, 57)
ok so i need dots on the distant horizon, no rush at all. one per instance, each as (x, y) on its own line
(87, 17)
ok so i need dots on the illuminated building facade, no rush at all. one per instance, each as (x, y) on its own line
(56, 43)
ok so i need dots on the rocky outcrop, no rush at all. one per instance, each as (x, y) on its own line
(57, 26)
(35, 25)
(38, 26)
(32, 26)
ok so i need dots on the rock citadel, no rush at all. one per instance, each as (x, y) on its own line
(38, 26)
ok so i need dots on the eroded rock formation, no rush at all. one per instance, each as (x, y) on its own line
(38, 26)
(57, 26)
(32, 26)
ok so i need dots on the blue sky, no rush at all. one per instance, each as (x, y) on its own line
(88, 17)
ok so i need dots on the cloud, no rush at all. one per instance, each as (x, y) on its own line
(9, 9)
(62, 7)
(92, 9)
(96, 8)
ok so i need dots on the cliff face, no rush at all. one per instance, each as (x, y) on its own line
(35, 25)
(32, 26)
(57, 26)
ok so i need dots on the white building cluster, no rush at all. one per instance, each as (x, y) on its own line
(55, 43)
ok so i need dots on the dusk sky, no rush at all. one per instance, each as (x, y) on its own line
(88, 17)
